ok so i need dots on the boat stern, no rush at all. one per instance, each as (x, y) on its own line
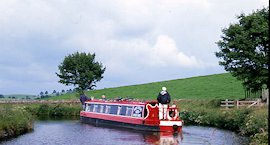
(171, 126)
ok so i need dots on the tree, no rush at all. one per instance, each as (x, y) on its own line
(244, 49)
(41, 93)
(80, 70)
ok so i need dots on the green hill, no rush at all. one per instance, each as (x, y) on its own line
(218, 86)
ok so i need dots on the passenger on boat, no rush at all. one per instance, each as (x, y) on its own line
(103, 98)
(163, 99)
(83, 98)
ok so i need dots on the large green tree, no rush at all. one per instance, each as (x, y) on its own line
(244, 49)
(80, 70)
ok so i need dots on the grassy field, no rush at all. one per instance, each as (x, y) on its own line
(218, 86)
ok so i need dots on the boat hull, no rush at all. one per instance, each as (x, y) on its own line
(110, 123)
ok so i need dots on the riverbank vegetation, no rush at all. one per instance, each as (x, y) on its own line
(14, 121)
(54, 110)
(251, 122)
(18, 119)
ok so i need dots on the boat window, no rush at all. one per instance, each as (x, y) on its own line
(87, 107)
(119, 110)
(137, 112)
(102, 108)
(123, 110)
(108, 108)
(129, 111)
(114, 109)
(96, 108)
(91, 107)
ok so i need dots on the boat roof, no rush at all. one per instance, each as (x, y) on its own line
(123, 102)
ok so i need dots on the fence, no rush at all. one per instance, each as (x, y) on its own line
(227, 103)
(230, 103)
(249, 104)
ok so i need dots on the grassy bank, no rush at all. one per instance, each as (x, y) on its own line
(14, 121)
(54, 110)
(248, 122)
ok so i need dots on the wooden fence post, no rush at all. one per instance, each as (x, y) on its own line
(227, 107)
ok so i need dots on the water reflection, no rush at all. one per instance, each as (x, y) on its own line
(163, 138)
(72, 132)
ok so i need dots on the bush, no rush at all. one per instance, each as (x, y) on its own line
(259, 139)
(255, 122)
(43, 109)
(233, 119)
(56, 110)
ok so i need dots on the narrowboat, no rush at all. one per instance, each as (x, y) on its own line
(131, 114)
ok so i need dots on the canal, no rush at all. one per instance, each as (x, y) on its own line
(72, 132)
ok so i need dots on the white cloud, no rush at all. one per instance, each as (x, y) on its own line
(165, 53)
(134, 39)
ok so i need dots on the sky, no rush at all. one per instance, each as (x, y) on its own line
(138, 41)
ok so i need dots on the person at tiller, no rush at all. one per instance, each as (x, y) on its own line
(163, 99)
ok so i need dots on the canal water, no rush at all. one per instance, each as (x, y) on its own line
(72, 132)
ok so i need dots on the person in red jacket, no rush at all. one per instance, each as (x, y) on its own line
(163, 99)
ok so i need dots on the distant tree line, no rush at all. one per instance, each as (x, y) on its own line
(46, 94)
(14, 97)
